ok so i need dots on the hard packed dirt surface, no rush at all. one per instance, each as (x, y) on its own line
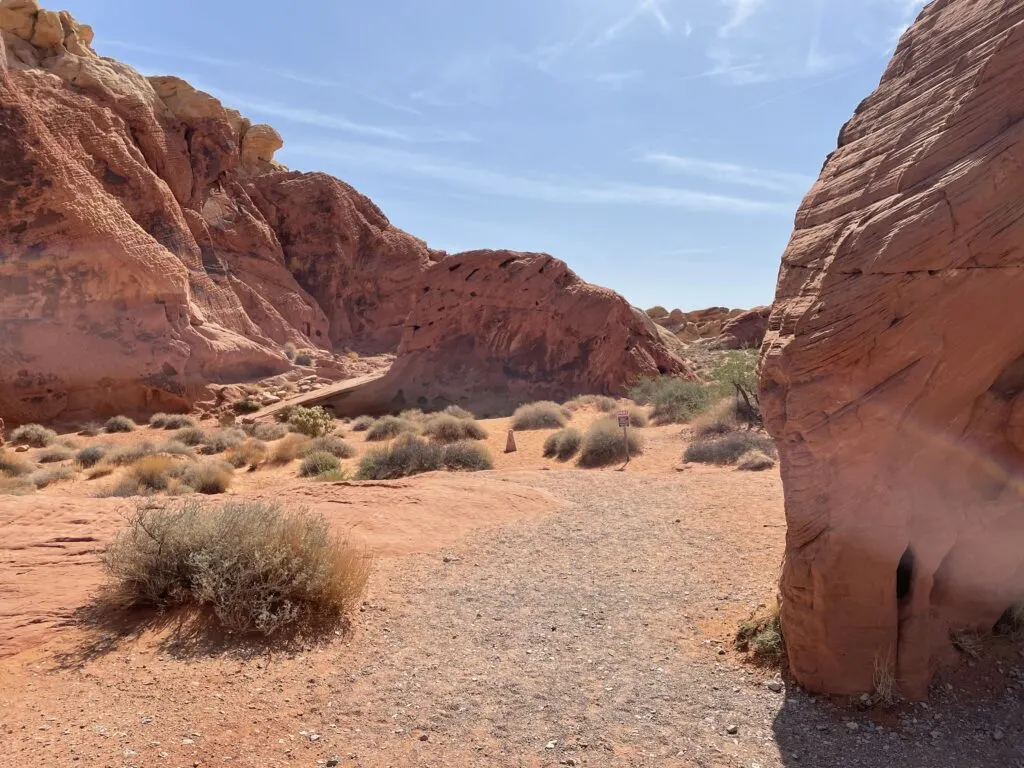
(534, 615)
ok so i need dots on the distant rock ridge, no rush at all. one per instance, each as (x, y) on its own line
(151, 244)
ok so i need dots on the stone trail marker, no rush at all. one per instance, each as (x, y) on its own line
(510, 445)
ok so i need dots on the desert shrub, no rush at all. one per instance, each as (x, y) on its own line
(332, 445)
(179, 421)
(289, 351)
(44, 477)
(152, 473)
(563, 444)
(119, 424)
(409, 455)
(221, 440)
(737, 367)
(540, 415)
(266, 432)
(451, 429)
(289, 449)
(755, 461)
(246, 405)
(190, 436)
(674, 401)
(1012, 621)
(91, 429)
(720, 419)
(314, 422)
(352, 355)
(762, 638)
(258, 568)
(12, 465)
(335, 476)
(33, 435)
(390, 427)
(637, 417)
(413, 414)
(603, 444)
(159, 420)
(318, 463)
(600, 402)
(176, 448)
(129, 454)
(727, 449)
(466, 455)
(304, 358)
(15, 486)
(458, 412)
(363, 423)
(100, 470)
(54, 454)
(209, 477)
(250, 454)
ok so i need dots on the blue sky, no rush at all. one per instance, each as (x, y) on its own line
(660, 147)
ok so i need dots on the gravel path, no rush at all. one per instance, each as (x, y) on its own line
(596, 635)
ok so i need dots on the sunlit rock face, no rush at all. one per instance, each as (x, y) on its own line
(892, 374)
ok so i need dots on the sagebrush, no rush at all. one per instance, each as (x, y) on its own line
(563, 444)
(408, 455)
(33, 435)
(445, 428)
(390, 427)
(604, 444)
(543, 414)
(728, 448)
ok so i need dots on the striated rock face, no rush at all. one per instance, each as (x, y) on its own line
(745, 330)
(892, 374)
(149, 244)
(491, 329)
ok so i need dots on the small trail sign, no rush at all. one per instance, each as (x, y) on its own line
(624, 423)
(623, 418)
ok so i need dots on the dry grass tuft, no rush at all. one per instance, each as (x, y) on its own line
(91, 429)
(258, 568)
(55, 454)
(12, 465)
(755, 461)
(602, 403)
(444, 428)
(466, 456)
(116, 424)
(33, 435)
(728, 448)
(252, 453)
(191, 436)
(129, 454)
(968, 643)
(458, 412)
(413, 414)
(41, 478)
(266, 432)
(208, 477)
(390, 427)
(289, 449)
(720, 419)
(409, 455)
(90, 456)
(363, 423)
(603, 445)
(762, 638)
(563, 445)
(221, 440)
(886, 689)
(332, 445)
(15, 486)
(170, 421)
(318, 463)
(543, 414)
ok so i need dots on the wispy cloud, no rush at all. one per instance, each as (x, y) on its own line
(546, 189)
(730, 173)
(644, 8)
(741, 12)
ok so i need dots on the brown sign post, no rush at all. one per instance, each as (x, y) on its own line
(624, 423)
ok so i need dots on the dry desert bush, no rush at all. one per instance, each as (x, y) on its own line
(319, 463)
(268, 432)
(330, 444)
(728, 448)
(673, 401)
(221, 440)
(246, 405)
(116, 424)
(208, 477)
(289, 351)
(413, 414)
(33, 435)
(304, 358)
(124, 455)
(363, 423)
(563, 444)
(761, 636)
(257, 567)
(91, 429)
(466, 456)
(604, 444)
(12, 465)
(176, 448)
(15, 486)
(409, 455)
(755, 461)
(55, 454)
(249, 454)
(458, 412)
(170, 421)
(41, 478)
(602, 403)
(390, 427)
(445, 428)
(637, 417)
(543, 414)
(190, 436)
(719, 419)
(289, 448)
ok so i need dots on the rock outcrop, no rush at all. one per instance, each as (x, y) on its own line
(892, 375)
(492, 329)
(149, 244)
(745, 330)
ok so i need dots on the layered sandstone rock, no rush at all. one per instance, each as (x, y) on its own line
(491, 329)
(745, 330)
(893, 369)
(150, 244)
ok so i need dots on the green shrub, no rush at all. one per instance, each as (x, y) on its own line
(603, 444)
(467, 456)
(444, 428)
(727, 449)
(675, 401)
(246, 405)
(267, 432)
(12, 465)
(90, 456)
(191, 436)
(256, 567)
(312, 422)
(363, 423)
(408, 455)
(44, 477)
(33, 435)
(318, 463)
(221, 440)
(390, 427)
(304, 358)
(540, 415)
(129, 454)
(762, 638)
(55, 454)
(563, 444)
(289, 351)
(209, 477)
(755, 461)
(458, 412)
(119, 424)
(332, 445)
(600, 402)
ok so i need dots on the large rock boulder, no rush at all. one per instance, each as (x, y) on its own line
(492, 329)
(745, 330)
(150, 244)
(892, 374)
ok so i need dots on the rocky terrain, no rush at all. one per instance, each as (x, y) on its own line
(893, 368)
(717, 327)
(152, 246)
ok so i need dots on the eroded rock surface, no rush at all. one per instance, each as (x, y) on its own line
(491, 329)
(893, 369)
